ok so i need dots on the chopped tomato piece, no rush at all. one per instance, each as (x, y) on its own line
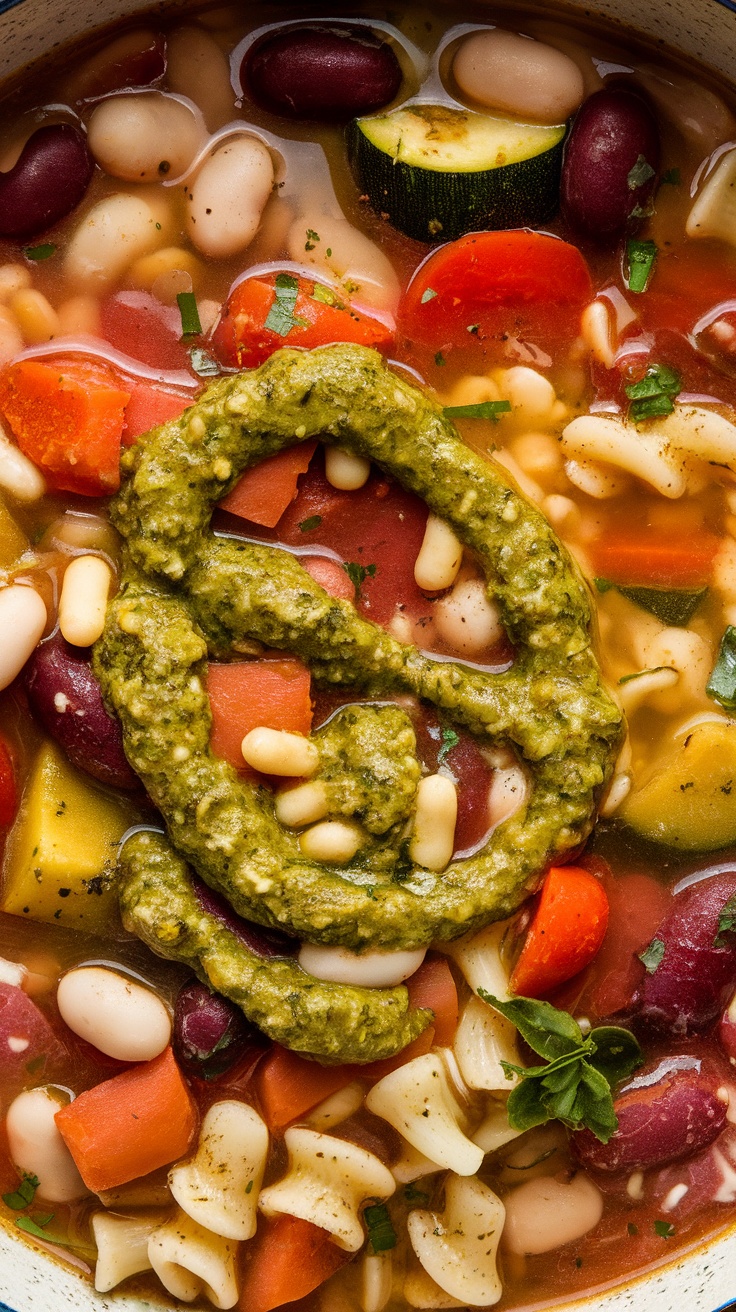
(433, 986)
(566, 931)
(139, 325)
(244, 336)
(67, 417)
(274, 693)
(264, 492)
(148, 407)
(330, 576)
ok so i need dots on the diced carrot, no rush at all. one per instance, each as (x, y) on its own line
(264, 492)
(648, 561)
(148, 407)
(67, 417)
(566, 931)
(274, 693)
(432, 986)
(130, 1125)
(287, 1259)
(289, 1085)
(330, 576)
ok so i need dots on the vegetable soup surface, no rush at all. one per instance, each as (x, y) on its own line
(367, 659)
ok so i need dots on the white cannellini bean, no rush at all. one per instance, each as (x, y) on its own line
(13, 278)
(116, 1015)
(79, 314)
(532, 396)
(274, 751)
(116, 231)
(35, 316)
(144, 137)
(369, 970)
(23, 619)
(440, 556)
(228, 197)
(37, 1148)
(538, 454)
(546, 1213)
(344, 470)
(467, 620)
(83, 600)
(196, 67)
(18, 475)
(11, 338)
(366, 271)
(598, 332)
(518, 75)
(302, 805)
(333, 841)
(433, 836)
(507, 793)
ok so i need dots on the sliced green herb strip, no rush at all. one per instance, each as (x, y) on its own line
(314, 521)
(450, 739)
(42, 252)
(381, 1233)
(428, 295)
(203, 363)
(358, 573)
(641, 257)
(726, 923)
(281, 318)
(721, 686)
(24, 1194)
(664, 1229)
(673, 606)
(439, 359)
(482, 410)
(190, 324)
(671, 178)
(639, 674)
(32, 1227)
(652, 956)
(415, 1197)
(640, 173)
(655, 393)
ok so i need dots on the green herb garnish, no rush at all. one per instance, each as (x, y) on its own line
(655, 393)
(652, 956)
(641, 257)
(312, 238)
(482, 410)
(726, 923)
(632, 1229)
(35, 1226)
(439, 359)
(314, 521)
(203, 363)
(358, 574)
(190, 324)
(474, 328)
(24, 1194)
(673, 606)
(575, 1086)
(42, 252)
(721, 686)
(428, 295)
(326, 296)
(640, 173)
(639, 674)
(450, 739)
(281, 318)
(671, 178)
(664, 1229)
(415, 1197)
(381, 1233)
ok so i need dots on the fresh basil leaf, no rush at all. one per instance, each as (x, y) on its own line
(427, 295)
(24, 1194)
(450, 739)
(35, 1228)
(664, 1229)
(726, 923)
(482, 410)
(721, 686)
(594, 1105)
(42, 252)
(314, 521)
(675, 607)
(549, 1032)
(561, 1092)
(381, 1233)
(190, 323)
(617, 1053)
(203, 363)
(640, 173)
(526, 1107)
(655, 393)
(651, 407)
(641, 257)
(281, 318)
(652, 956)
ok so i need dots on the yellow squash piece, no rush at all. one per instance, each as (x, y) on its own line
(61, 850)
(691, 802)
(13, 541)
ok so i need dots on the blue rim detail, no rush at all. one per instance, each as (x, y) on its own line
(4, 6)
(727, 4)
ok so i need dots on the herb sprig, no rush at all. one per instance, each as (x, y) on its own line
(641, 257)
(381, 1233)
(281, 318)
(654, 394)
(575, 1085)
(358, 574)
(481, 410)
(721, 686)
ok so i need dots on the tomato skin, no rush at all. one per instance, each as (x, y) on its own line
(242, 338)
(491, 284)
(8, 790)
(566, 931)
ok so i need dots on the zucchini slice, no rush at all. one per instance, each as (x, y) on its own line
(437, 172)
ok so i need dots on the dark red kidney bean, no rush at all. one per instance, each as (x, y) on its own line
(668, 1111)
(256, 938)
(329, 73)
(605, 180)
(727, 1031)
(46, 183)
(65, 697)
(696, 976)
(136, 59)
(210, 1033)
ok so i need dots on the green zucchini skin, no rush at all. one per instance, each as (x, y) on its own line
(433, 206)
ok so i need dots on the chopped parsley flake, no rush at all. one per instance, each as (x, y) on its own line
(312, 239)
(652, 956)
(190, 323)
(641, 257)
(42, 252)
(481, 410)
(281, 318)
(428, 295)
(314, 521)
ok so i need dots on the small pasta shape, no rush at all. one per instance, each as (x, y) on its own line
(412, 1165)
(419, 1101)
(122, 1247)
(336, 1108)
(421, 1291)
(218, 1187)
(327, 1181)
(376, 1281)
(480, 961)
(494, 1130)
(190, 1261)
(483, 1040)
(596, 480)
(458, 1247)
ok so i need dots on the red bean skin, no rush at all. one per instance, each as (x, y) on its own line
(210, 1033)
(65, 697)
(328, 73)
(137, 59)
(613, 133)
(667, 1112)
(695, 978)
(46, 183)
